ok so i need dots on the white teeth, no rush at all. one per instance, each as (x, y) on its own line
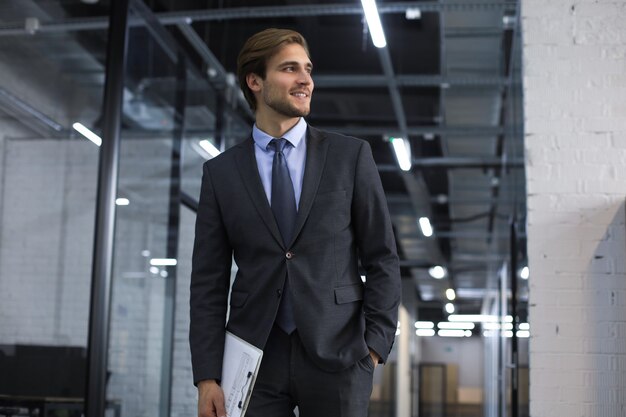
(299, 94)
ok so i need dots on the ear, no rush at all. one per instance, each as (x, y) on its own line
(254, 82)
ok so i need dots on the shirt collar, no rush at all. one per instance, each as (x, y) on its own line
(293, 135)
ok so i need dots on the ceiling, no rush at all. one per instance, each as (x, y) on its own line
(448, 82)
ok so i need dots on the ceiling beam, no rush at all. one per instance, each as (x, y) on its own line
(394, 91)
(216, 71)
(26, 114)
(457, 162)
(408, 80)
(472, 131)
(260, 12)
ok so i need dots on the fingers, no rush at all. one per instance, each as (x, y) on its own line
(210, 400)
(220, 409)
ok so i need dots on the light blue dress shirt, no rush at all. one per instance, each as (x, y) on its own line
(295, 153)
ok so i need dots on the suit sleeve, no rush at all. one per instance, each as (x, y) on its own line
(378, 254)
(210, 281)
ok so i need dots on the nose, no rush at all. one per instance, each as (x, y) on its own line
(305, 78)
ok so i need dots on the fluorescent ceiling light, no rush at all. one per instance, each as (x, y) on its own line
(450, 294)
(427, 229)
(449, 308)
(424, 325)
(478, 318)
(437, 272)
(163, 262)
(496, 326)
(122, 201)
(523, 333)
(425, 332)
(145, 253)
(455, 326)
(413, 13)
(373, 22)
(209, 148)
(524, 273)
(154, 270)
(524, 326)
(403, 155)
(454, 333)
(80, 128)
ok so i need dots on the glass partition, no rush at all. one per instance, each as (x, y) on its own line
(49, 82)
(175, 117)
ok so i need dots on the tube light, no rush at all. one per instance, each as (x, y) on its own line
(437, 272)
(373, 22)
(424, 325)
(455, 325)
(163, 262)
(425, 332)
(403, 155)
(450, 294)
(497, 326)
(453, 333)
(209, 148)
(478, 318)
(524, 273)
(122, 201)
(449, 308)
(523, 333)
(524, 326)
(80, 128)
(427, 229)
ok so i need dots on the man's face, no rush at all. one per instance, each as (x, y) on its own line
(288, 85)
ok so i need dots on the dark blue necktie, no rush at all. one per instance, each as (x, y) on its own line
(284, 208)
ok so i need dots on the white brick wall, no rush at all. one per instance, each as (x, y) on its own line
(575, 108)
(184, 394)
(46, 238)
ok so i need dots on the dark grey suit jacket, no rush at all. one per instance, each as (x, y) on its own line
(342, 217)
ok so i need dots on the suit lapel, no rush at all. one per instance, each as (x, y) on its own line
(316, 149)
(248, 168)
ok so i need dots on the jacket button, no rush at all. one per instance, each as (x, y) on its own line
(279, 292)
(289, 255)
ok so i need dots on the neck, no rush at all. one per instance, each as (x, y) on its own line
(275, 127)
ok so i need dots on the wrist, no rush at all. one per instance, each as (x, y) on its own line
(205, 383)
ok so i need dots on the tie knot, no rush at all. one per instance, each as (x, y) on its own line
(278, 145)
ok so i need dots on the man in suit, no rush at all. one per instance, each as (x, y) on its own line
(297, 208)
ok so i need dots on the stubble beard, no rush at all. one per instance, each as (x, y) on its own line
(285, 108)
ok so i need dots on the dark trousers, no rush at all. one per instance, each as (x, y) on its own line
(288, 378)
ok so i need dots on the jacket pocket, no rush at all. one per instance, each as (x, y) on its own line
(238, 298)
(349, 293)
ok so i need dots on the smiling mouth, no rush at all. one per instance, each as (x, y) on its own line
(300, 94)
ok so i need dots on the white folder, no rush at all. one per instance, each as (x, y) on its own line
(239, 371)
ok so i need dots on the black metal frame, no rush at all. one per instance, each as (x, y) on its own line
(99, 315)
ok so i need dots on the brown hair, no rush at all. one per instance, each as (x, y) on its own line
(257, 50)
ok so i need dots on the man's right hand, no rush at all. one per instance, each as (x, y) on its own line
(210, 399)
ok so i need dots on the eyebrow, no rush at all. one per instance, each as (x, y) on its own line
(287, 63)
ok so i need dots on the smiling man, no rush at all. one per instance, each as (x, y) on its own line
(297, 208)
